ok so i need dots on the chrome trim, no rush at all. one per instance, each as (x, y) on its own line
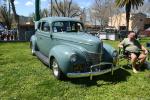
(101, 52)
(115, 54)
(72, 41)
(91, 74)
(95, 58)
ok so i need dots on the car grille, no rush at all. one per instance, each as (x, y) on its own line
(93, 58)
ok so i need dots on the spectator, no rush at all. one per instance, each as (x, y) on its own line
(135, 50)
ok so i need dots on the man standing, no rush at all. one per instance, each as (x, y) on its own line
(135, 50)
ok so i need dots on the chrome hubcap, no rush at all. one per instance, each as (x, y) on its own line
(32, 50)
(55, 68)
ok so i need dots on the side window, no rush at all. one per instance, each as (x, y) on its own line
(79, 27)
(45, 27)
(58, 26)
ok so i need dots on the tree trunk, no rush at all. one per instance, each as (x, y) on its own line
(128, 9)
(16, 16)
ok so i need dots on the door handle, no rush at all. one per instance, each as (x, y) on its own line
(51, 36)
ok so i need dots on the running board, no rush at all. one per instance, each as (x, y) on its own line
(43, 58)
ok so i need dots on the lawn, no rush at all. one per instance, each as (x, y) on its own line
(23, 76)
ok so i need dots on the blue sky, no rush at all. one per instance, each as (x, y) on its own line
(26, 7)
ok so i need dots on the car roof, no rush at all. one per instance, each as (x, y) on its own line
(52, 19)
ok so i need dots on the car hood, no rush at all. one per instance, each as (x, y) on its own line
(89, 42)
(80, 37)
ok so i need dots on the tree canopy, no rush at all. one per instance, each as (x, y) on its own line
(128, 4)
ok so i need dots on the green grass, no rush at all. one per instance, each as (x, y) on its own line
(23, 76)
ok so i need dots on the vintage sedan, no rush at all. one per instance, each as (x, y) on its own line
(62, 44)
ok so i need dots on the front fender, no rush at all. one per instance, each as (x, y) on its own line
(63, 53)
(108, 52)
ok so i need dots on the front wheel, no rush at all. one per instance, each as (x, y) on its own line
(56, 70)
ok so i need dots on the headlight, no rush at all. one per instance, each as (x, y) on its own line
(73, 58)
(115, 54)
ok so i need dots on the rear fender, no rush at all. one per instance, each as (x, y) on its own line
(33, 41)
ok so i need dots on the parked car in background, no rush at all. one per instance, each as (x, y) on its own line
(146, 32)
(111, 30)
(7, 35)
(1, 32)
(1, 29)
(108, 33)
(62, 44)
(122, 34)
(101, 34)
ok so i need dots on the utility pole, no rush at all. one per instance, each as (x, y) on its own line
(37, 10)
(51, 8)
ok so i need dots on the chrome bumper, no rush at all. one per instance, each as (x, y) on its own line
(93, 73)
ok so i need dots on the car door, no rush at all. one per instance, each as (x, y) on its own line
(38, 35)
(44, 39)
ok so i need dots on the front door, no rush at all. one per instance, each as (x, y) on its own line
(44, 39)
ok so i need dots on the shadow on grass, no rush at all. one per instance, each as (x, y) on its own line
(127, 66)
(142, 68)
(119, 76)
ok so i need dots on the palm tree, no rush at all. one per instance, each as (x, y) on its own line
(128, 4)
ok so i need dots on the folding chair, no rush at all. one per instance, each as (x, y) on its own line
(124, 55)
(148, 47)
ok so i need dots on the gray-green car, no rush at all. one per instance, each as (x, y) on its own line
(62, 44)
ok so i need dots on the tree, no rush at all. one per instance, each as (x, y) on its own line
(128, 4)
(102, 10)
(16, 16)
(138, 21)
(144, 9)
(42, 13)
(6, 17)
(65, 8)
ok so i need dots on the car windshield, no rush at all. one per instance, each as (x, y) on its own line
(67, 26)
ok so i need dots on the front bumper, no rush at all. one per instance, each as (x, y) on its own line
(93, 73)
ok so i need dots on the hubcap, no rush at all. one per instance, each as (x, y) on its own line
(32, 50)
(55, 68)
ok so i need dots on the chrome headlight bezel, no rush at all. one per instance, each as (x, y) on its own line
(73, 58)
(115, 54)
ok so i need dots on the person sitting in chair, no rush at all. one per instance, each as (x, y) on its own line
(135, 50)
